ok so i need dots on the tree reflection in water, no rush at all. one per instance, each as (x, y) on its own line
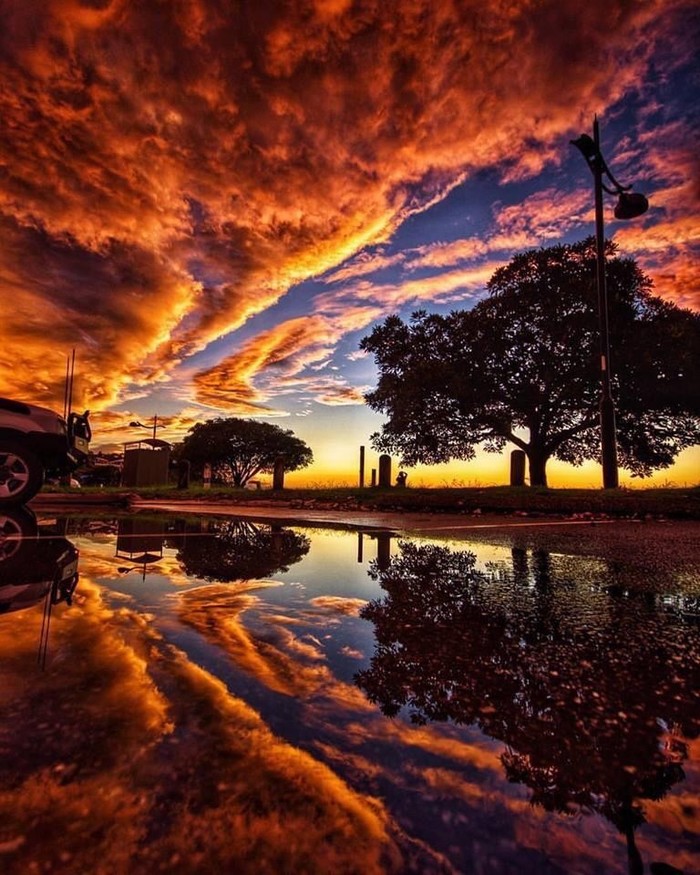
(239, 550)
(593, 694)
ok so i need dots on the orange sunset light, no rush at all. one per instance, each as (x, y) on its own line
(213, 203)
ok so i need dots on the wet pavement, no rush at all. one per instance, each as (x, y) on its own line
(651, 543)
(420, 693)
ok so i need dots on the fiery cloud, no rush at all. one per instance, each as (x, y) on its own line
(668, 243)
(171, 170)
(276, 362)
(536, 220)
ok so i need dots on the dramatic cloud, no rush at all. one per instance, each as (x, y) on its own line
(667, 244)
(283, 360)
(170, 170)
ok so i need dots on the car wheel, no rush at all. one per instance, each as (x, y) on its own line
(21, 474)
(16, 524)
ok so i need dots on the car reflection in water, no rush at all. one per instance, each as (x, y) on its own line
(594, 695)
(37, 563)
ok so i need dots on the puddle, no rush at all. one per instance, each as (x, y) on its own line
(222, 696)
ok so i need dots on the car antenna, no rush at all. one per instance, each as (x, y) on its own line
(45, 623)
(65, 389)
(70, 383)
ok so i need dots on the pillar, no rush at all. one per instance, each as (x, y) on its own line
(278, 473)
(384, 471)
(517, 468)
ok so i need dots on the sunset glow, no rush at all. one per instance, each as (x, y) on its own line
(213, 203)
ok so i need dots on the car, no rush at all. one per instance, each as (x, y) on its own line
(36, 562)
(36, 440)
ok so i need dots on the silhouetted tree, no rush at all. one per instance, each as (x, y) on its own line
(240, 550)
(591, 694)
(525, 361)
(238, 449)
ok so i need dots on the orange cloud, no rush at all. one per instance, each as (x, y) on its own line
(274, 362)
(667, 240)
(456, 285)
(170, 171)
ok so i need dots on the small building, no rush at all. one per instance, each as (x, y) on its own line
(146, 463)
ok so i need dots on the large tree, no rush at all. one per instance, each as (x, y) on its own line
(238, 449)
(523, 367)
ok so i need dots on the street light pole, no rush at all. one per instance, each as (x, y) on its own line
(629, 206)
(137, 424)
(608, 435)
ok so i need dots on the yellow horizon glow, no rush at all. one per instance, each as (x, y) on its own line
(488, 469)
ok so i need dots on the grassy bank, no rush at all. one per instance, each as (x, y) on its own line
(674, 503)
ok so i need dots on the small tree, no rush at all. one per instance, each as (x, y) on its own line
(523, 367)
(238, 449)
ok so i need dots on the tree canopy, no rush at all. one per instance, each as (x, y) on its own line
(523, 367)
(238, 449)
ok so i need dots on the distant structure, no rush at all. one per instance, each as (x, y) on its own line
(362, 467)
(146, 463)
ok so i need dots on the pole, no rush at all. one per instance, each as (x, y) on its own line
(608, 437)
(155, 425)
(70, 383)
(362, 467)
(65, 389)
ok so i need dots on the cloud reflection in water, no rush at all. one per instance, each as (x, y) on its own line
(130, 753)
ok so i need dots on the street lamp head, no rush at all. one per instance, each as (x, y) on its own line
(630, 205)
(587, 147)
(137, 425)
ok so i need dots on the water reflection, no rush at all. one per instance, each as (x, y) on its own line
(36, 562)
(595, 696)
(225, 550)
(202, 716)
(140, 542)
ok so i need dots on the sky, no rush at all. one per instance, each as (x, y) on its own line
(213, 202)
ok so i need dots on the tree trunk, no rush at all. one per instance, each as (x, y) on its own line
(537, 462)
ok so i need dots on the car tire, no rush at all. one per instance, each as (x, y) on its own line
(16, 525)
(21, 474)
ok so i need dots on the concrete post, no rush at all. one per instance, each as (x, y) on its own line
(373, 481)
(278, 473)
(384, 471)
(517, 468)
(362, 467)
